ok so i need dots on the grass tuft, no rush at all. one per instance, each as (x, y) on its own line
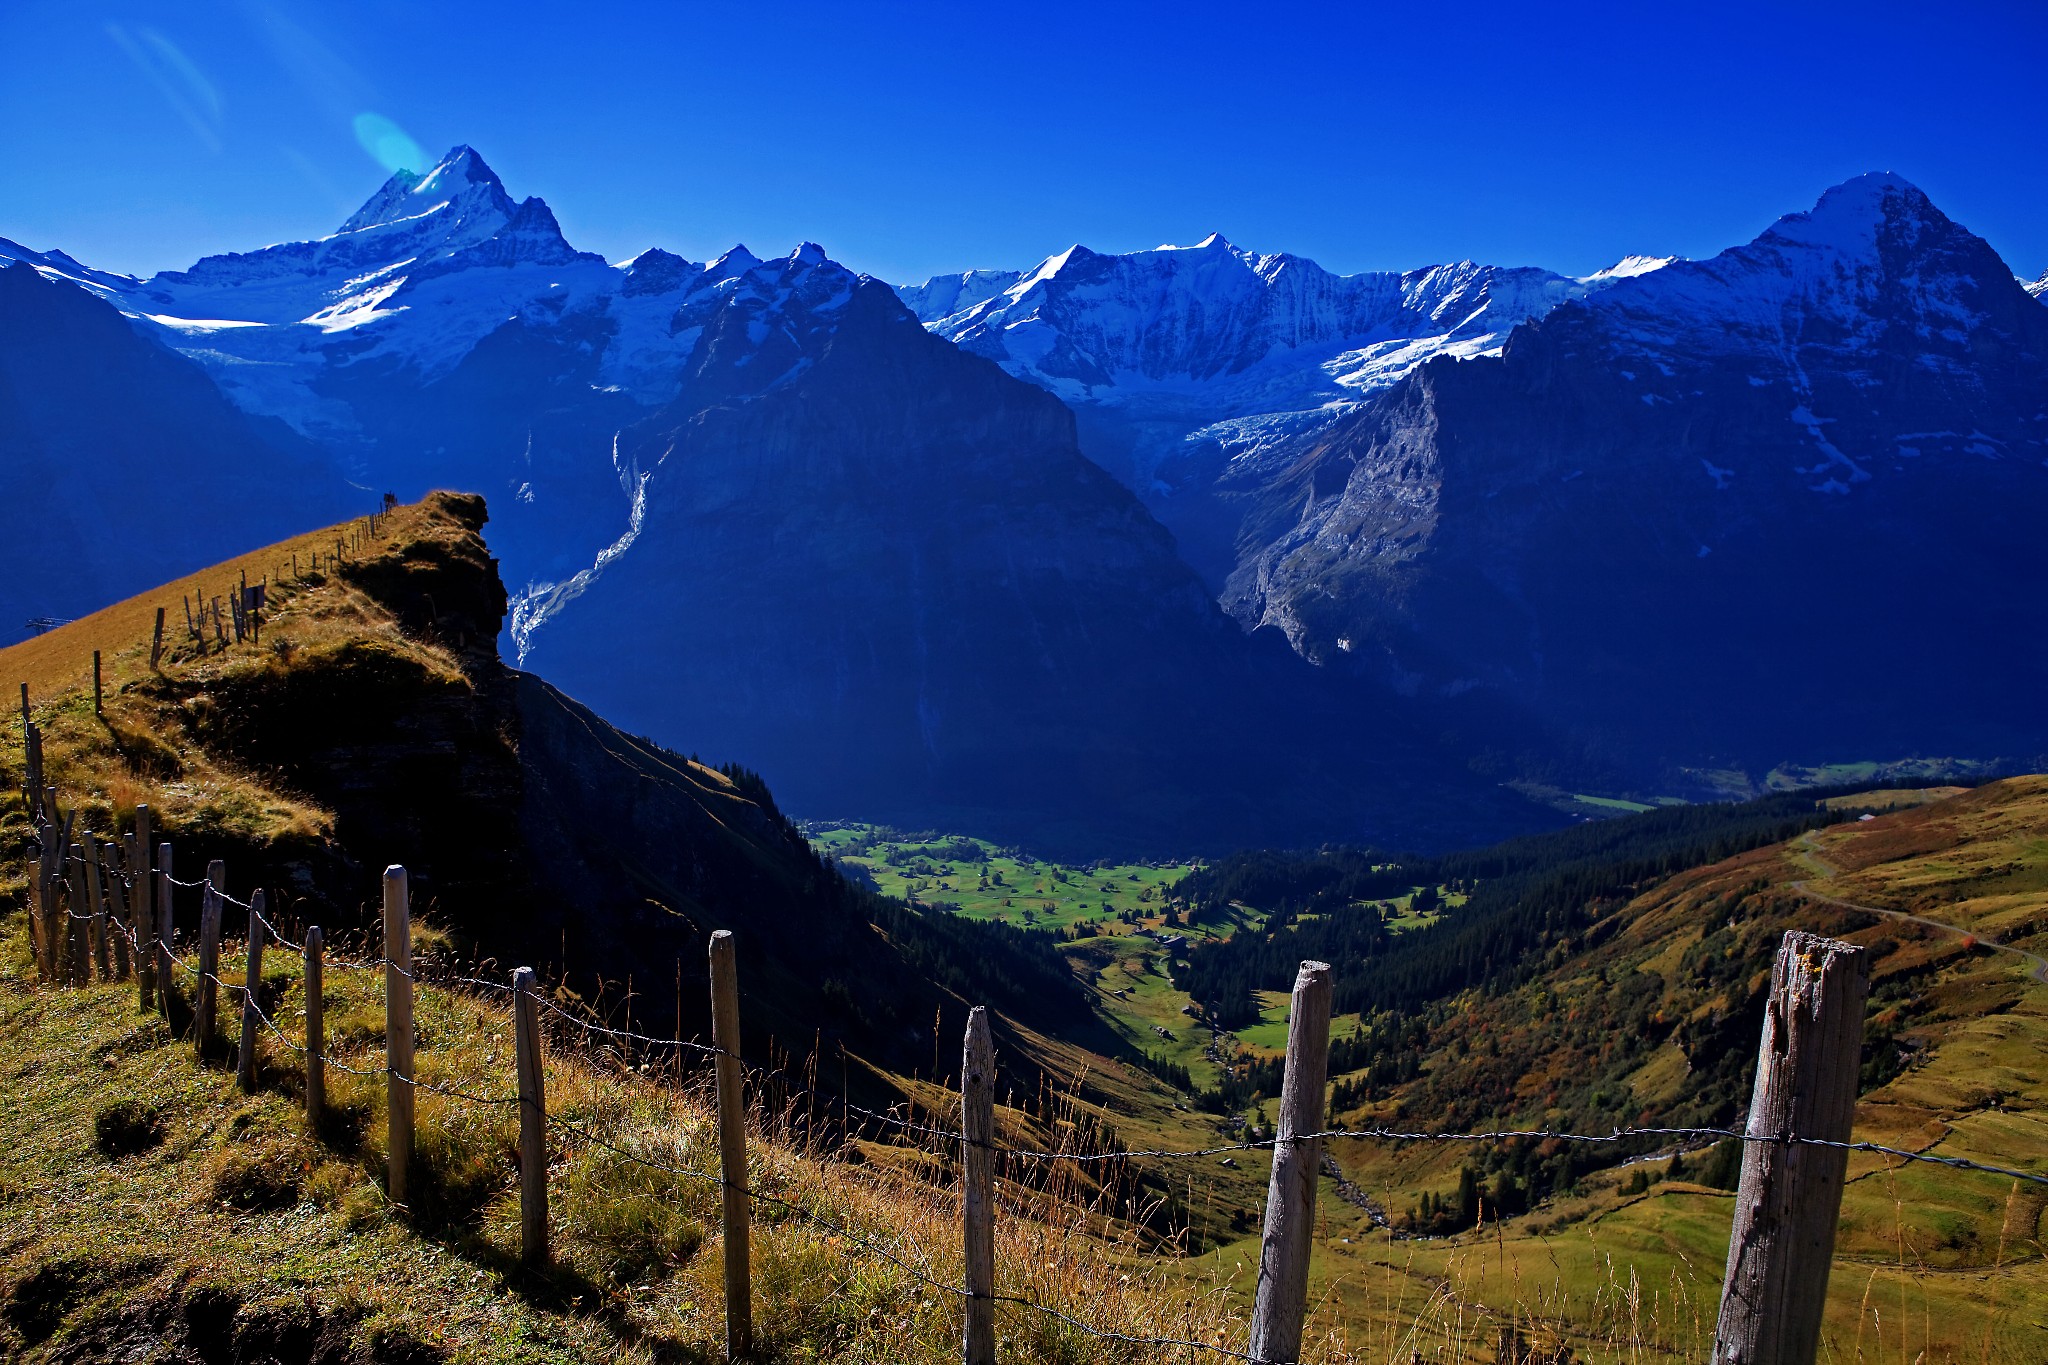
(127, 1127)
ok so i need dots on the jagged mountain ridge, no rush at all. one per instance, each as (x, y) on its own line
(448, 334)
(961, 619)
(1191, 366)
(1657, 495)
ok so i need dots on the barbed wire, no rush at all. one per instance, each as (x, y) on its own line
(249, 1001)
(883, 1251)
(1614, 1137)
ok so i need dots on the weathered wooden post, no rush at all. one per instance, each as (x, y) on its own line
(96, 895)
(316, 1030)
(98, 699)
(978, 1185)
(45, 875)
(119, 915)
(1280, 1302)
(141, 912)
(165, 982)
(1790, 1197)
(398, 1077)
(252, 983)
(156, 642)
(58, 843)
(78, 942)
(209, 956)
(533, 1122)
(732, 1147)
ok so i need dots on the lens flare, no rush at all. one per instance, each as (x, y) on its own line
(388, 144)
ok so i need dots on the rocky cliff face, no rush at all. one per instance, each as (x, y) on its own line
(881, 571)
(1780, 503)
(538, 832)
(1193, 368)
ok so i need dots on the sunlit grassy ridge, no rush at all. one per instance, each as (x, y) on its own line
(225, 1204)
(1930, 1264)
(147, 747)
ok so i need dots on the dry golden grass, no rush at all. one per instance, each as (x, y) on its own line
(60, 661)
(143, 748)
(241, 1196)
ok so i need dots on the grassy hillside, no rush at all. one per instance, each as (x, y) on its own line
(375, 724)
(151, 1210)
(1647, 1011)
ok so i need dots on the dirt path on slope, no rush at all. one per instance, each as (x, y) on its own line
(1811, 854)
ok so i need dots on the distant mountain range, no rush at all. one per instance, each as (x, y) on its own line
(971, 549)
(1191, 364)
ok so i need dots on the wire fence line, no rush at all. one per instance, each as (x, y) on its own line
(778, 1075)
(584, 1133)
(1284, 1145)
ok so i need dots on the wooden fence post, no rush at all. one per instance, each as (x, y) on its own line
(978, 1185)
(118, 925)
(55, 935)
(533, 1122)
(96, 893)
(141, 912)
(137, 893)
(98, 697)
(209, 956)
(316, 1030)
(252, 982)
(165, 982)
(1281, 1301)
(79, 940)
(156, 642)
(45, 892)
(398, 1077)
(1790, 1197)
(732, 1147)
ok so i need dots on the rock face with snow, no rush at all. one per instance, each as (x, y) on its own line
(864, 539)
(882, 570)
(1782, 503)
(1195, 369)
(126, 465)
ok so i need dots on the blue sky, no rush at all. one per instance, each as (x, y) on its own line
(911, 139)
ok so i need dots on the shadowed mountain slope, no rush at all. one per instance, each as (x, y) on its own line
(1778, 504)
(126, 464)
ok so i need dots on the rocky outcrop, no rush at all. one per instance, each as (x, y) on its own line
(1778, 504)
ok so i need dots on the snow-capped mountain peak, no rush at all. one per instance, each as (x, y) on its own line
(459, 185)
(1627, 268)
(1873, 254)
